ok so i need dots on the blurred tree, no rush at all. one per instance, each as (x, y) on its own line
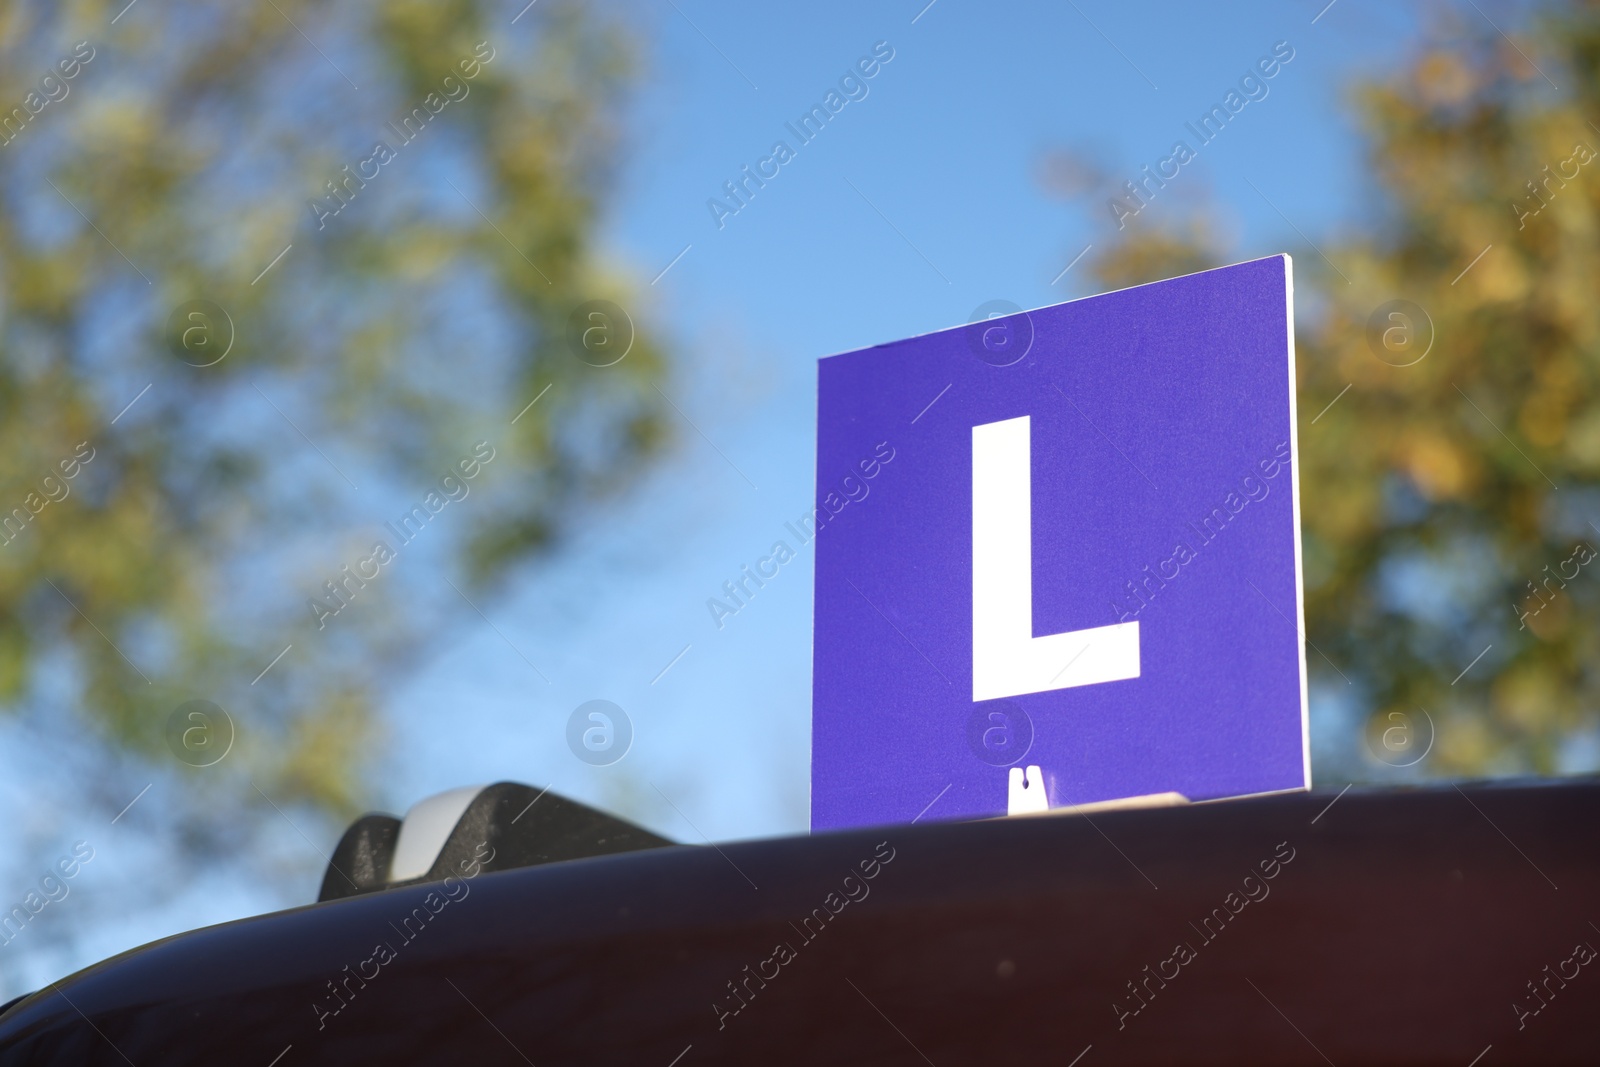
(382, 310)
(1449, 483)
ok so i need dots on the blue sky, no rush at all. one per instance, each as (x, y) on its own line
(918, 203)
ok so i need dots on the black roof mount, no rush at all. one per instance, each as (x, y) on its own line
(507, 825)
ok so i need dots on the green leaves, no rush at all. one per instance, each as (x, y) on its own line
(1435, 490)
(369, 348)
